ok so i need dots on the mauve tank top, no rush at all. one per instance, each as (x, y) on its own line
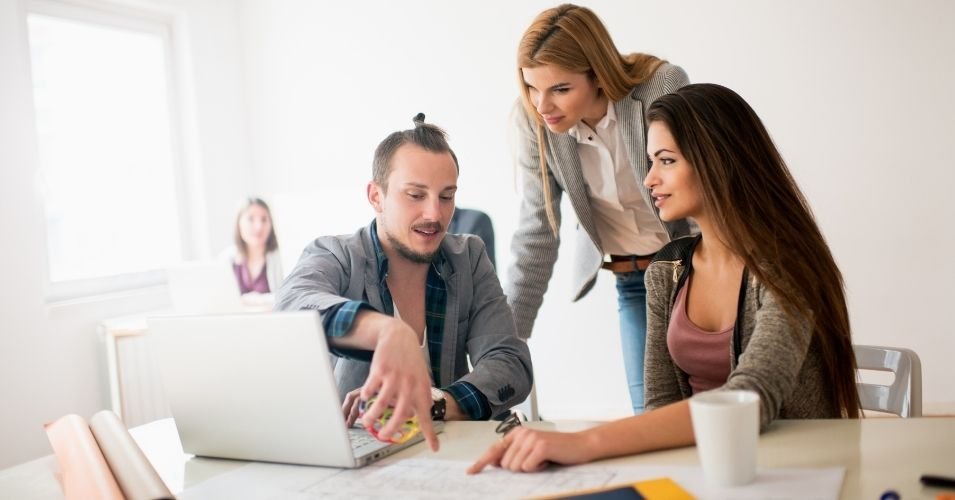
(246, 284)
(703, 355)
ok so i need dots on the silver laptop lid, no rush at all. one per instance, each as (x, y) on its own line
(252, 387)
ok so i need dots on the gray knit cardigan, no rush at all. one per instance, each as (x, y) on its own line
(780, 359)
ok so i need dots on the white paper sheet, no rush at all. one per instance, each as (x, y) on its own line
(424, 478)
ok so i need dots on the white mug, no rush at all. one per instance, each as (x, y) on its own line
(726, 427)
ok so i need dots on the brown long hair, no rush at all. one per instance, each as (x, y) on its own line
(271, 244)
(572, 38)
(757, 206)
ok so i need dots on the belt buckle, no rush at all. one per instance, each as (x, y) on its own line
(634, 264)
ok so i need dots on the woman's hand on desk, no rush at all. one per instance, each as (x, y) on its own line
(529, 450)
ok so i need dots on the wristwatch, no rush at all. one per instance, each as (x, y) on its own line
(439, 405)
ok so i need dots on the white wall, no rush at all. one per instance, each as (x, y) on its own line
(854, 92)
(51, 360)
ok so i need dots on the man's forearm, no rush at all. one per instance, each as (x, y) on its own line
(453, 411)
(364, 332)
(470, 403)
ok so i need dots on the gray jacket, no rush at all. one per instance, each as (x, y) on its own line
(478, 324)
(534, 245)
(780, 359)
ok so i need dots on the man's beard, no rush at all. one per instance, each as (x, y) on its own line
(406, 251)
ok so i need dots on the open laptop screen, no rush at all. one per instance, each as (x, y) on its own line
(253, 387)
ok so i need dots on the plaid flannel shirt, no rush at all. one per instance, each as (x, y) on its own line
(338, 321)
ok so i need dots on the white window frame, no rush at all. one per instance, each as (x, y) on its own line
(170, 26)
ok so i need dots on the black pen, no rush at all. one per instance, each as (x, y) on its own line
(938, 481)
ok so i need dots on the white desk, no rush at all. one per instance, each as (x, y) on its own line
(878, 454)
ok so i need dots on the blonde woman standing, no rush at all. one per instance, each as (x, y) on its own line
(581, 130)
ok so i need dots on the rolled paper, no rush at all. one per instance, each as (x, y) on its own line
(84, 470)
(133, 472)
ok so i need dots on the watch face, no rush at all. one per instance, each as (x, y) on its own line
(440, 404)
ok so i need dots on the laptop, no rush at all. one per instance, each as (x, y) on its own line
(258, 387)
(204, 287)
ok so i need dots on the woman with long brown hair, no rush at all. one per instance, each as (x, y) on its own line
(580, 131)
(254, 256)
(755, 301)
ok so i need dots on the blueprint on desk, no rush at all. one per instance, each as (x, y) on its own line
(425, 478)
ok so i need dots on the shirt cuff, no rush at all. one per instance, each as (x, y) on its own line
(471, 401)
(338, 319)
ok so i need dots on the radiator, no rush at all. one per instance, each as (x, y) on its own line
(135, 387)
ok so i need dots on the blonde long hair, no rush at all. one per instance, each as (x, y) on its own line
(573, 39)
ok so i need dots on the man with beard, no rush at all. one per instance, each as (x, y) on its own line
(419, 299)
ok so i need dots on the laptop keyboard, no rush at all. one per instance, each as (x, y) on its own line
(361, 437)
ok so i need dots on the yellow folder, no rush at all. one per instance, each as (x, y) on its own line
(652, 489)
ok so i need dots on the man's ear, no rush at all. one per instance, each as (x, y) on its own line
(375, 196)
